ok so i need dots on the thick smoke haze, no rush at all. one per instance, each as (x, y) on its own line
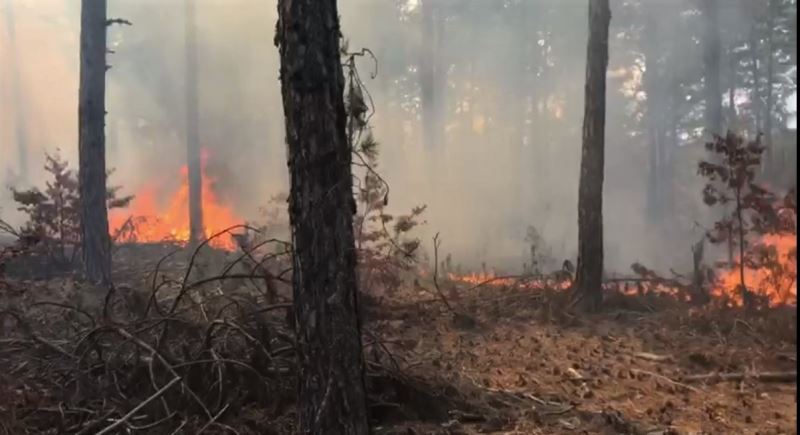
(510, 150)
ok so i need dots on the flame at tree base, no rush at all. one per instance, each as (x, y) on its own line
(147, 222)
(775, 283)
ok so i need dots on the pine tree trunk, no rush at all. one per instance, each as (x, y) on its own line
(332, 398)
(19, 103)
(431, 83)
(96, 243)
(590, 194)
(712, 53)
(768, 151)
(755, 92)
(196, 233)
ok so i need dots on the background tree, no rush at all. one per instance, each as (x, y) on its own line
(590, 193)
(95, 240)
(19, 102)
(332, 396)
(196, 232)
(712, 51)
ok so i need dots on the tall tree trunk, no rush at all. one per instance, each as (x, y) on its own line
(332, 397)
(431, 83)
(95, 241)
(755, 90)
(20, 120)
(768, 109)
(194, 164)
(712, 52)
(589, 272)
(653, 81)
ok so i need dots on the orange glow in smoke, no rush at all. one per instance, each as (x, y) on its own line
(156, 223)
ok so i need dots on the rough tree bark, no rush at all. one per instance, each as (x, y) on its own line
(589, 272)
(196, 232)
(332, 396)
(95, 241)
(712, 53)
(19, 103)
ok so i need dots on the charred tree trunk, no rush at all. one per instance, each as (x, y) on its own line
(332, 396)
(194, 164)
(589, 272)
(19, 104)
(712, 53)
(95, 241)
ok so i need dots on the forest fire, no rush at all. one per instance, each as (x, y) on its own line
(492, 279)
(145, 221)
(776, 280)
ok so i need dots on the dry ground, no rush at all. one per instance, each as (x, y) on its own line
(615, 372)
(515, 362)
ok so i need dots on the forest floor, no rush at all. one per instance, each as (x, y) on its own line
(624, 371)
(513, 361)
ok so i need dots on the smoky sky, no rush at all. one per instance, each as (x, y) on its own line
(513, 130)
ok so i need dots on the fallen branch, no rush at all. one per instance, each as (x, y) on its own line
(665, 379)
(727, 377)
(133, 411)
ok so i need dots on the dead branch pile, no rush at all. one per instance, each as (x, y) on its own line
(182, 357)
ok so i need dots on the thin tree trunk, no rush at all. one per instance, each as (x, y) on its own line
(590, 193)
(755, 92)
(194, 164)
(712, 52)
(19, 103)
(332, 397)
(96, 243)
(431, 84)
(653, 83)
(768, 154)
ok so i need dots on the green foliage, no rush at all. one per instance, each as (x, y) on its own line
(54, 213)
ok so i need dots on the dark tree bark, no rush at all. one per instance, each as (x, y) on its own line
(332, 398)
(196, 232)
(96, 243)
(19, 103)
(589, 272)
(712, 53)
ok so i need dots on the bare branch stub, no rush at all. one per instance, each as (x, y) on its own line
(119, 21)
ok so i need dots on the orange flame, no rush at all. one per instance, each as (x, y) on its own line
(171, 223)
(779, 288)
(494, 280)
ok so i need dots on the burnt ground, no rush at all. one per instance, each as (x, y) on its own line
(513, 361)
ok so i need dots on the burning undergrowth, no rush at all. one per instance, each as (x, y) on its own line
(151, 220)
